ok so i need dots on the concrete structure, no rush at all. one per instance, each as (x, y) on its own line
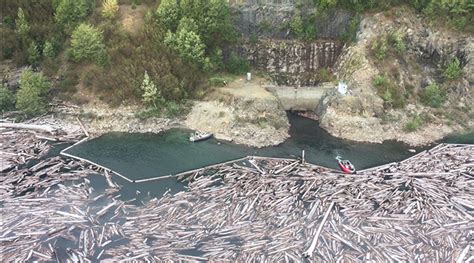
(300, 98)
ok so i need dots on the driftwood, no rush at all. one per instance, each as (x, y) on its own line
(417, 210)
(309, 252)
(34, 127)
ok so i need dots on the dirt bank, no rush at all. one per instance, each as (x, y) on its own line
(242, 112)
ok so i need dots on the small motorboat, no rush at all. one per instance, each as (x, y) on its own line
(346, 166)
(199, 136)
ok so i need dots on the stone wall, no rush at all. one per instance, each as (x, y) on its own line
(291, 62)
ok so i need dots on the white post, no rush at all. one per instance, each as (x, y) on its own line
(249, 76)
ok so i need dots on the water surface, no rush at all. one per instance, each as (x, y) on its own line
(140, 156)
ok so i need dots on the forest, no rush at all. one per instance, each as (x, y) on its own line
(161, 63)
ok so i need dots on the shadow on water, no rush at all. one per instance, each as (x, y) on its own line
(140, 156)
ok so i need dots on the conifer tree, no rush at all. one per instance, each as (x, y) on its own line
(151, 95)
(22, 26)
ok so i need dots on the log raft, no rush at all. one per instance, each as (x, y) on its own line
(272, 210)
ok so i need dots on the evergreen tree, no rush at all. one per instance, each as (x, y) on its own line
(187, 43)
(22, 26)
(170, 13)
(48, 50)
(69, 13)
(34, 55)
(31, 97)
(151, 95)
(87, 43)
(7, 100)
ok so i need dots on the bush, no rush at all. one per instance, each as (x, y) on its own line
(68, 13)
(397, 41)
(453, 70)
(87, 43)
(414, 124)
(392, 95)
(48, 50)
(31, 97)
(380, 48)
(350, 34)
(110, 9)
(34, 55)
(217, 82)
(237, 65)
(380, 80)
(325, 75)
(7, 99)
(433, 96)
(296, 26)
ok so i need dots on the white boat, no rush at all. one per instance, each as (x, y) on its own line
(199, 136)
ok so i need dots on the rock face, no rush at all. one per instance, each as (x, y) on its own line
(292, 62)
(422, 63)
(270, 18)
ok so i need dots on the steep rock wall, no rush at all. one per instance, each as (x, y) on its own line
(271, 47)
(270, 18)
(291, 62)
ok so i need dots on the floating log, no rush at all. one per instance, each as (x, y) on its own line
(23, 126)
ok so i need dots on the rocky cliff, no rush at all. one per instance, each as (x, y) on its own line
(292, 62)
(271, 47)
(376, 85)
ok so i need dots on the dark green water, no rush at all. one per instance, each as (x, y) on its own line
(140, 156)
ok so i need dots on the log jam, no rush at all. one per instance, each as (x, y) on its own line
(257, 209)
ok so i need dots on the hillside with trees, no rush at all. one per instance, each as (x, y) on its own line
(176, 50)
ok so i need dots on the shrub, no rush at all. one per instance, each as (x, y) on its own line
(380, 48)
(397, 41)
(87, 43)
(69, 13)
(48, 50)
(433, 96)
(296, 26)
(380, 80)
(237, 65)
(7, 100)
(325, 75)
(414, 124)
(350, 34)
(392, 95)
(22, 26)
(174, 109)
(217, 82)
(31, 97)
(453, 70)
(34, 55)
(110, 9)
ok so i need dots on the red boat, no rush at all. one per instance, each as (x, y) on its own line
(346, 166)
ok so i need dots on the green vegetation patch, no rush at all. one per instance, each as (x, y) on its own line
(433, 96)
(31, 97)
(414, 124)
(7, 99)
(392, 95)
(453, 70)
